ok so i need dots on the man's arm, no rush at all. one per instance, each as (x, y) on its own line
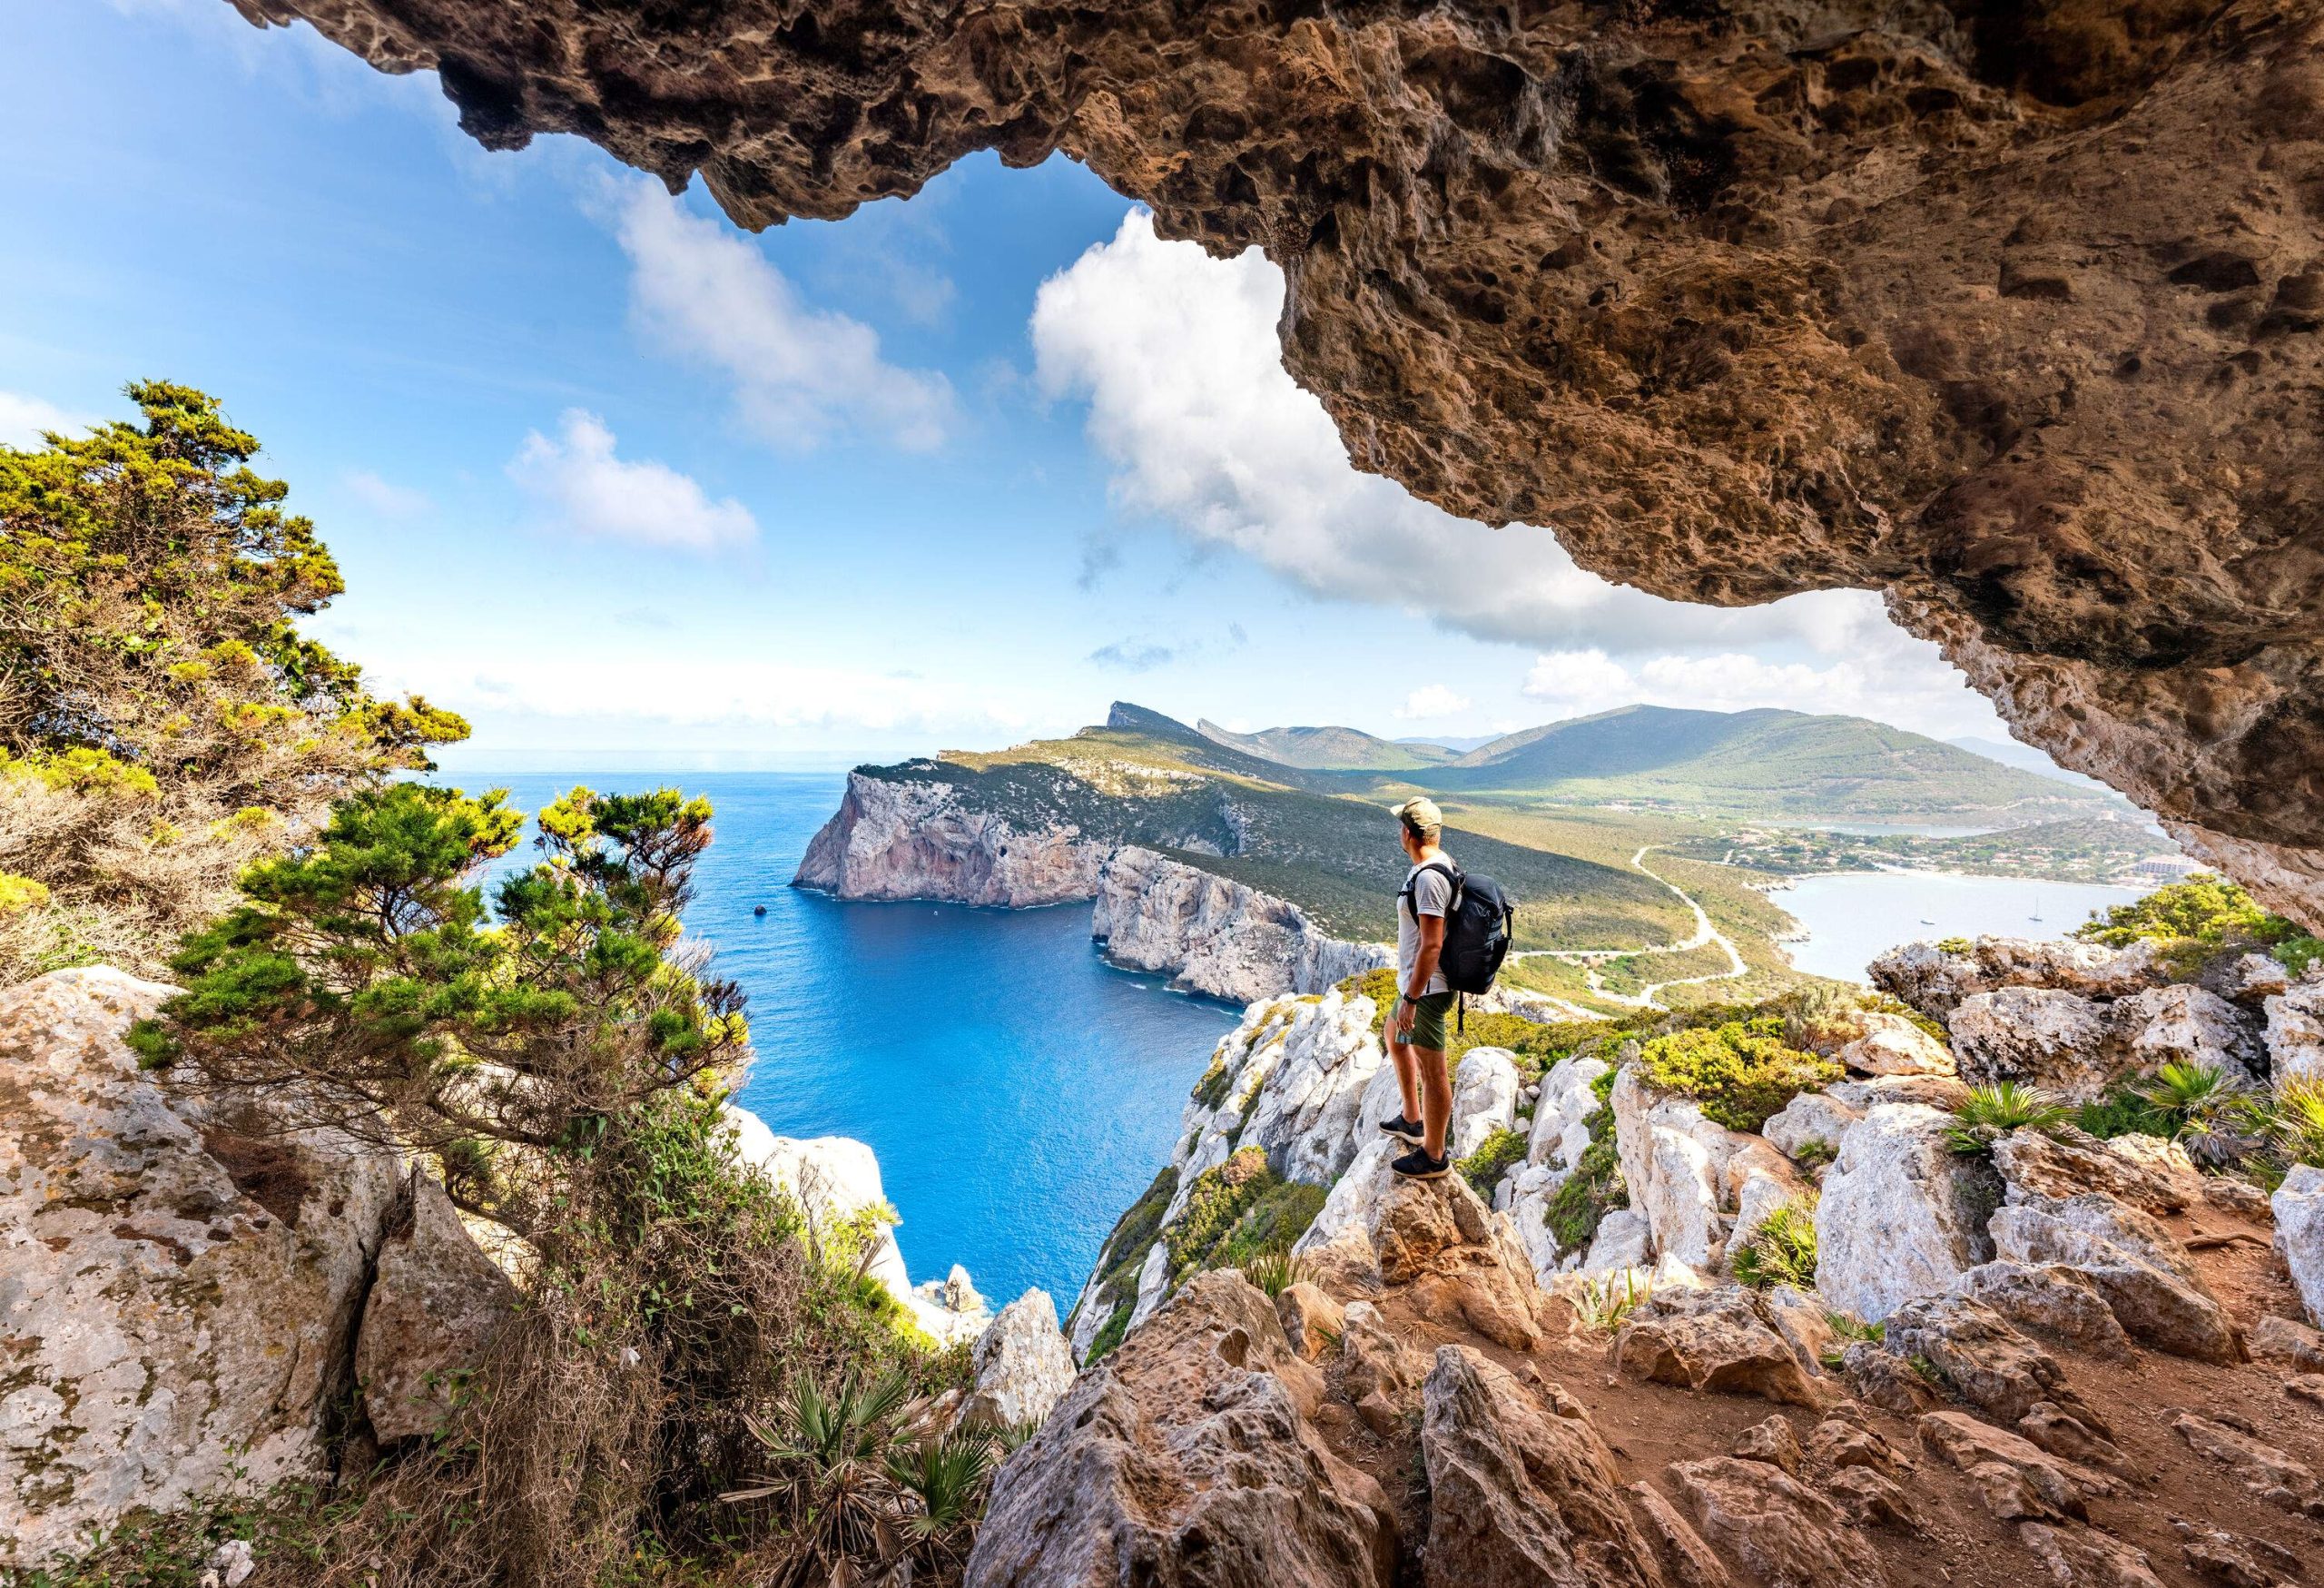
(1432, 947)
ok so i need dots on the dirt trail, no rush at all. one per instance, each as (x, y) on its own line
(1650, 996)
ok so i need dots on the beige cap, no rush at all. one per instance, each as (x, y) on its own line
(1420, 812)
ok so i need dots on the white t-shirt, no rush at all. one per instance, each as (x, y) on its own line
(1431, 894)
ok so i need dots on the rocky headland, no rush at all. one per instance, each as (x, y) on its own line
(899, 837)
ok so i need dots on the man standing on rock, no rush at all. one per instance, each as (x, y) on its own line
(1416, 1023)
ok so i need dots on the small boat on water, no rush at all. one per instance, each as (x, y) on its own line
(1926, 921)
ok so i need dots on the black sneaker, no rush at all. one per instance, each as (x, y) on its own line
(1416, 1165)
(1403, 1130)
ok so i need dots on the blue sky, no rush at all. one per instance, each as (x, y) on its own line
(616, 480)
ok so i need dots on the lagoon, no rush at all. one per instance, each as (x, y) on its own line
(1853, 917)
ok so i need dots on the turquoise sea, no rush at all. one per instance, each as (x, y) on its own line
(1019, 1091)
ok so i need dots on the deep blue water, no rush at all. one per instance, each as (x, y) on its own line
(1019, 1091)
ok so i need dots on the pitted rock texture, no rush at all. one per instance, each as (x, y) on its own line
(2013, 312)
(179, 1291)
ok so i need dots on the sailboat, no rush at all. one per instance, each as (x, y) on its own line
(2037, 909)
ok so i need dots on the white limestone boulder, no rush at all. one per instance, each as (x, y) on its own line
(1893, 1045)
(2185, 1024)
(1623, 1241)
(1023, 1365)
(2295, 1032)
(1674, 1162)
(1811, 1116)
(2146, 1275)
(178, 1285)
(1902, 1215)
(2037, 1036)
(2299, 1207)
(1560, 1134)
(1485, 1099)
(1935, 979)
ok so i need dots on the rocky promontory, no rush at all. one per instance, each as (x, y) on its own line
(898, 839)
(1214, 935)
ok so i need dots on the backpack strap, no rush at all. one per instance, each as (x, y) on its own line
(1451, 873)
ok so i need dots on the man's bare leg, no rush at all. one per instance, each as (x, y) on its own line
(1407, 1063)
(1435, 1097)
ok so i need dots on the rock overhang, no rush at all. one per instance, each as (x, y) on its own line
(2015, 313)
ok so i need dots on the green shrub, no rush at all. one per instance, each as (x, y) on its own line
(2291, 1125)
(1592, 1191)
(2296, 954)
(1815, 1153)
(1219, 1196)
(1134, 1235)
(1855, 1329)
(1275, 1270)
(1740, 1072)
(1483, 1168)
(1211, 1089)
(1781, 1251)
(1278, 1218)
(1115, 1330)
(1602, 1305)
(1994, 1111)
(2121, 1110)
(2204, 908)
(1954, 945)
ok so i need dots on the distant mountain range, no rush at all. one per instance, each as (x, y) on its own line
(1764, 763)
(2026, 758)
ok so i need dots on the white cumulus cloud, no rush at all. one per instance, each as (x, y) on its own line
(582, 487)
(800, 375)
(23, 418)
(1432, 702)
(1890, 682)
(388, 501)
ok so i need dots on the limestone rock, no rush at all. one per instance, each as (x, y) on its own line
(1836, 1442)
(1674, 1162)
(2063, 1435)
(1902, 1214)
(1517, 1494)
(2035, 1164)
(894, 838)
(1937, 1092)
(2268, 1472)
(1558, 1136)
(2299, 1206)
(1689, 1561)
(1311, 1319)
(1799, 1317)
(1988, 1363)
(1812, 1116)
(1716, 1341)
(2083, 1557)
(1458, 1259)
(2185, 1024)
(1623, 1240)
(1870, 1499)
(2050, 1301)
(2044, 1037)
(2281, 1339)
(1774, 1441)
(1883, 1378)
(1893, 1045)
(2252, 979)
(1214, 935)
(1935, 979)
(434, 1302)
(1379, 1373)
(2219, 1556)
(1022, 1364)
(2295, 1032)
(2061, 1488)
(1485, 1099)
(182, 1284)
(2145, 1274)
(1783, 1532)
(1186, 1456)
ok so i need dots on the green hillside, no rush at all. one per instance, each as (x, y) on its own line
(1146, 779)
(1764, 763)
(1328, 749)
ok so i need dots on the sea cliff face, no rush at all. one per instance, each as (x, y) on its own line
(894, 839)
(1214, 935)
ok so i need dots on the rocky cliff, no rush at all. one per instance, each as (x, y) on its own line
(896, 838)
(1214, 935)
(2013, 312)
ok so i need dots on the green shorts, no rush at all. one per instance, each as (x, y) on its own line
(1428, 1022)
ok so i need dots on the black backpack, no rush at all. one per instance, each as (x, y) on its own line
(1477, 928)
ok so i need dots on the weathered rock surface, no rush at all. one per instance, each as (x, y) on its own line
(2299, 1207)
(894, 838)
(180, 1290)
(1312, 1320)
(1785, 1533)
(1715, 1340)
(2083, 1557)
(2044, 1037)
(2185, 1024)
(1214, 935)
(434, 1302)
(1187, 1456)
(1902, 1214)
(2009, 313)
(2295, 1033)
(1458, 1258)
(1517, 1494)
(1675, 1163)
(2036, 1165)
(1023, 1365)
(2281, 1339)
(1936, 979)
(1893, 1045)
(1987, 1361)
(2023, 1480)
(1379, 1373)
(835, 1181)
(1687, 1557)
(2265, 1469)
(2145, 1274)
(2052, 1301)
(1811, 1116)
